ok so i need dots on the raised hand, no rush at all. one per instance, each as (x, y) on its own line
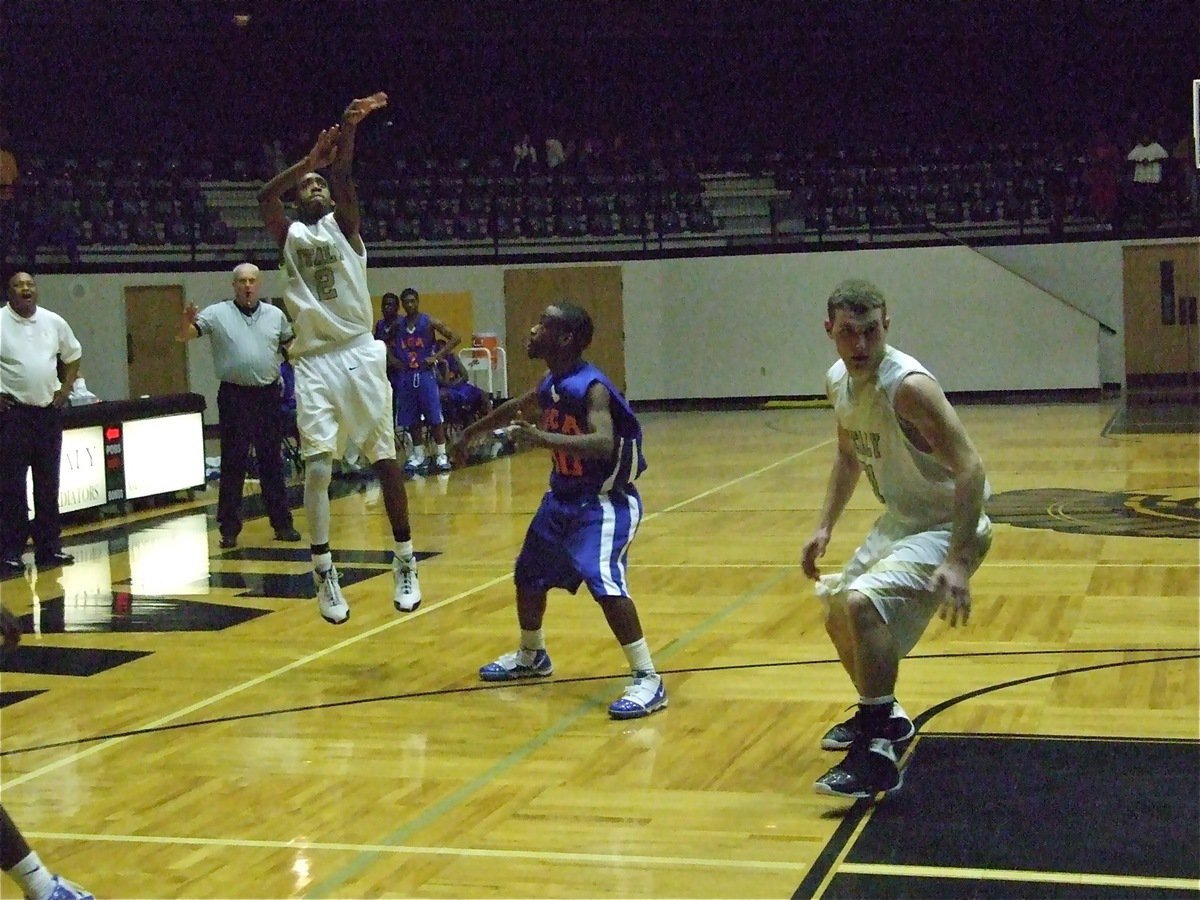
(359, 109)
(324, 151)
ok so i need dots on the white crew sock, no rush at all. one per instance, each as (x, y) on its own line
(531, 643)
(322, 562)
(36, 881)
(638, 654)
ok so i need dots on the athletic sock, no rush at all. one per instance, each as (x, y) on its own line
(638, 654)
(36, 881)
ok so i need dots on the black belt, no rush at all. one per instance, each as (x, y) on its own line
(19, 405)
(274, 386)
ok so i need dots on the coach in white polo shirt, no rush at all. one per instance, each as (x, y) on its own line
(32, 341)
(248, 339)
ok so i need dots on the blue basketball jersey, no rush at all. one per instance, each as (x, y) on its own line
(563, 403)
(413, 344)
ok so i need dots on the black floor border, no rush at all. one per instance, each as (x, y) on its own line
(823, 866)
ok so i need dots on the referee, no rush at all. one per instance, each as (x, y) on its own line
(32, 341)
(248, 339)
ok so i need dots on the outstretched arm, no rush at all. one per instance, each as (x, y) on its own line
(341, 183)
(516, 408)
(270, 197)
(596, 443)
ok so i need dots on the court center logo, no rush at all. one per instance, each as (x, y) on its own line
(1170, 514)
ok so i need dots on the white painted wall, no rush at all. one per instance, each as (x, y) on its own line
(740, 326)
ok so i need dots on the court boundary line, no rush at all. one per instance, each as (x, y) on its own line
(543, 684)
(825, 867)
(409, 849)
(588, 706)
(891, 870)
(71, 759)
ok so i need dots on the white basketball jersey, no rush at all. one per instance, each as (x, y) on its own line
(912, 484)
(326, 294)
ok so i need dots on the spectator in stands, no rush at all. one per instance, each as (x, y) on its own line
(416, 390)
(248, 341)
(1103, 178)
(555, 156)
(1147, 158)
(32, 343)
(274, 160)
(524, 157)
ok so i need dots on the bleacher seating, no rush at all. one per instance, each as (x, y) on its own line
(166, 205)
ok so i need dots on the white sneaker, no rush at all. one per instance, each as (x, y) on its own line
(441, 463)
(645, 695)
(407, 596)
(332, 605)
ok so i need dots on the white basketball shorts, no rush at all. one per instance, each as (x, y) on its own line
(344, 395)
(893, 567)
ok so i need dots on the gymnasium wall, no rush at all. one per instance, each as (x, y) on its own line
(740, 326)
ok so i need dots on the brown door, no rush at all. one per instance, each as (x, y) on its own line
(1162, 341)
(527, 292)
(157, 363)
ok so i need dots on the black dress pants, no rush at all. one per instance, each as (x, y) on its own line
(30, 439)
(250, 417)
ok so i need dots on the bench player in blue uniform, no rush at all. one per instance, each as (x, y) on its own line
(582, 531)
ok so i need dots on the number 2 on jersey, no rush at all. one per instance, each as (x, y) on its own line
(323, 275)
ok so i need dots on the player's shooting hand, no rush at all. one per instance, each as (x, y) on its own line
(813, 550)
(951, 587)
(361, 108)
(324, 151)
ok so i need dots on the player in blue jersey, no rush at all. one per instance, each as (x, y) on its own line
(582, 531)
(414, 381)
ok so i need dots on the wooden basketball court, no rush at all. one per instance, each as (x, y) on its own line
(181, 723)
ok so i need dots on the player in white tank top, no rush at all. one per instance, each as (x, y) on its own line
(895, 425)
(342, 389)
(919, 490)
